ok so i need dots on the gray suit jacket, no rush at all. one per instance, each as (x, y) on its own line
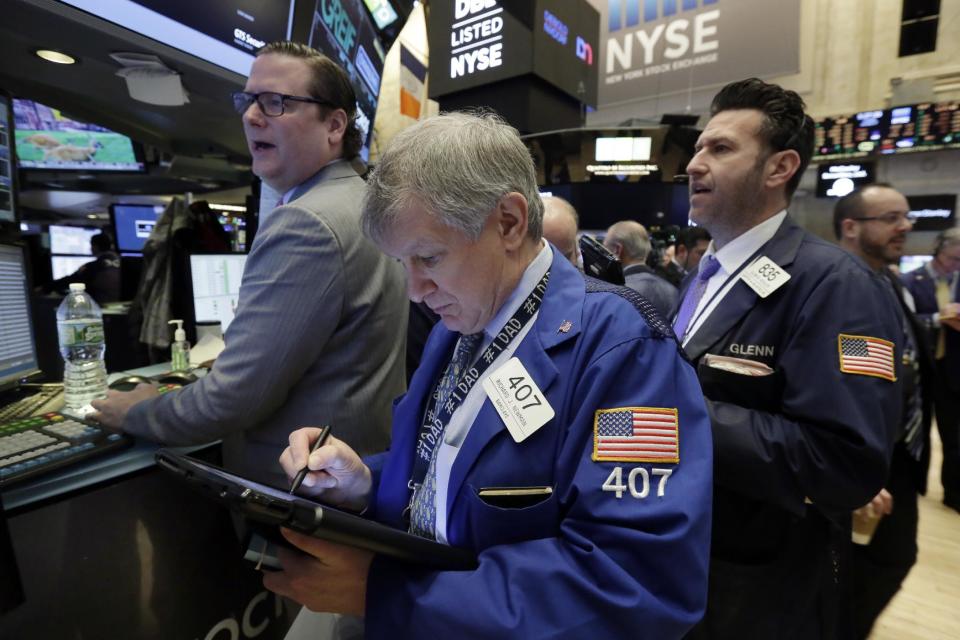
(658, 291)
(318, 338)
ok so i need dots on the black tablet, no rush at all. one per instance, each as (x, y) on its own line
(267, 505)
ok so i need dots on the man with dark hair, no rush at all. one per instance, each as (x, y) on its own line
(872, 224)
(102, 275)
(630, 242)
(689, 247)
(797, 355)
(692, 242)
(936, 289)
(318, 337)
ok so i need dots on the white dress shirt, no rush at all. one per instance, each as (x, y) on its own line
(463, 418)
(731, 257)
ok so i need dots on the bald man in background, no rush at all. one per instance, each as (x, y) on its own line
(560, 224)
(630, 242)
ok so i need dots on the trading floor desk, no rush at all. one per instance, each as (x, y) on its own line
(113, 548)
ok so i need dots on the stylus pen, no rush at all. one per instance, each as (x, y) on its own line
(298, 480)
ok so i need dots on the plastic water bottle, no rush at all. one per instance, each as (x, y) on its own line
(80, 329)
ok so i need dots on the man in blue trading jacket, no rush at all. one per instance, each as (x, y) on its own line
(604, 436)
(935, 288)
(872, 224)
(796, 347)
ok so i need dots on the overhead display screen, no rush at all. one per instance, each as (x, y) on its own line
(342, 30)
(608, 155)
(224, 32)
(837, 180)
(477, 42)
(933, 212)
(565, 47)
(921, 127)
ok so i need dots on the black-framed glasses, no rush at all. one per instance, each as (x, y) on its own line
(887, 218)
(271, 104)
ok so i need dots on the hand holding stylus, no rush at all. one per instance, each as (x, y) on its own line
(329, 467)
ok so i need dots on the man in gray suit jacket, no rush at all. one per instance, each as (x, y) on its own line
(629, 241)
(319, 332)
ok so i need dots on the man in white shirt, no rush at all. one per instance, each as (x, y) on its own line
(796, 349)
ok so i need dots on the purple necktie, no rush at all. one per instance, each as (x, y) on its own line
(708, 266)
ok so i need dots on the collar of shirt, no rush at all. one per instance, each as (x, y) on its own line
(731, 256)
(531, 276)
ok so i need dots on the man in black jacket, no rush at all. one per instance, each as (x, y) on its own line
(796, 348)
(872, 224)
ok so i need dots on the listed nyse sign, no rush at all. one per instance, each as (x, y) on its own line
(656, 47)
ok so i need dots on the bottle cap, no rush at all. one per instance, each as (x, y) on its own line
(77, 286)
(179, 334)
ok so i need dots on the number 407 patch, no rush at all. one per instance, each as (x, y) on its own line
(638, 481)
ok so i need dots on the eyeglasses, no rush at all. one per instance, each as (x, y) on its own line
(271, 104)
(888, 218)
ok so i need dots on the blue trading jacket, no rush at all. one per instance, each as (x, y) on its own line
(584, 561)
(796, 450)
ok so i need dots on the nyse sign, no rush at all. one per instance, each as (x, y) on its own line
(657, 47)
(476, 38)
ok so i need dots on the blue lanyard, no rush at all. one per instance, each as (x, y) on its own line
(436, 419)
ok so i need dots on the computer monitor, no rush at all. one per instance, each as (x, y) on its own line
(7, 165)
(47, 139)
(74, 241)
(18, 351)
(132, 225)
(62, 266)
(215, 278)
(346, 34)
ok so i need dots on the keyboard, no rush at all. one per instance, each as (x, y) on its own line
(47, 397)
(30, 447)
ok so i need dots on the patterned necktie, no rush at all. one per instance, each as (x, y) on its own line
(943, 299)
(708, 266)
(423, 509)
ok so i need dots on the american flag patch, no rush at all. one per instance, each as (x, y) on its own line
(866, 356)
(636, 434)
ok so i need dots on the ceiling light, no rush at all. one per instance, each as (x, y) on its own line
(55, 56)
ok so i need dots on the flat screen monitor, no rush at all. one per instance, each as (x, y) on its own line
(838, 179)
(342, 30)
(74, 241)
(18, 352)
(933, 212)
(133, 224)
(382, 11)
(912, 263)
(226, 34)
(215, 278)
(7, 167)
(47, 139)
(63, 266)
